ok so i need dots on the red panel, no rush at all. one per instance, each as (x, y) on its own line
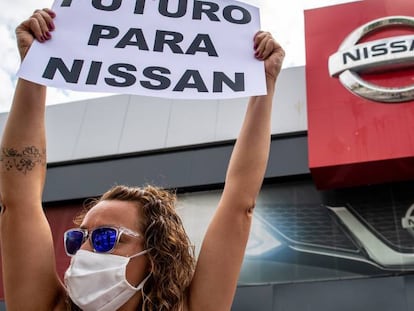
(354, 141)
(61, 219)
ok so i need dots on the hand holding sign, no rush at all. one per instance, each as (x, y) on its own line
(33, 28)
(269, 50)
(197, 49)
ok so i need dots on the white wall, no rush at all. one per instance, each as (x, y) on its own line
(126, 123)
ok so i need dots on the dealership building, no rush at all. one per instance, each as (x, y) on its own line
(334, 222)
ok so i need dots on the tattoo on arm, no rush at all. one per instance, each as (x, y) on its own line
(23, 161)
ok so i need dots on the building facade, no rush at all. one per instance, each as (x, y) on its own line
(329, 233)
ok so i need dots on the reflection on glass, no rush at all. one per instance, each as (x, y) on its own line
(261, 240)
(296, 237)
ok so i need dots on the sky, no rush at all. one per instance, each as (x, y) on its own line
(285, 21)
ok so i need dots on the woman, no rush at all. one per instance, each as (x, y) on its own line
(130, 252)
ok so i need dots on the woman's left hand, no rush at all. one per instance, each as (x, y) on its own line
(271, 52)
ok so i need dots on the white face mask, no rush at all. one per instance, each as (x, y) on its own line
(97, 282)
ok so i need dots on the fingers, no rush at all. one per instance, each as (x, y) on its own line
(265, 45)
(261, 40)
(271, 52)
(40, 24)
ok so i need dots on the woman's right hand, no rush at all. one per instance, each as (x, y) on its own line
(38, 26)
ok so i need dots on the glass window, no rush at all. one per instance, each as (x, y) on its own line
(301, 234)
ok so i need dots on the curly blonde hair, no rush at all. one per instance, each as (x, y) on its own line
(171, 254)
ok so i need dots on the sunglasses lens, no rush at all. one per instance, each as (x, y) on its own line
(104, 239)
(73, 241)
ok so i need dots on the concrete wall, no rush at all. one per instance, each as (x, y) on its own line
(376, 294)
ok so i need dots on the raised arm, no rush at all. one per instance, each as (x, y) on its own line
(29, 275)
(224, 245)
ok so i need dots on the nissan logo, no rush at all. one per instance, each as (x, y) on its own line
(353, 58)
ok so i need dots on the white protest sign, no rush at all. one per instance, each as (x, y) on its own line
(187, 49)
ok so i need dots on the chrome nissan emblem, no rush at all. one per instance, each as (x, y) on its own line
(393, 53)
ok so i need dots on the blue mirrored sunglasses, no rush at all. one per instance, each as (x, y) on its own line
(103, 239)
